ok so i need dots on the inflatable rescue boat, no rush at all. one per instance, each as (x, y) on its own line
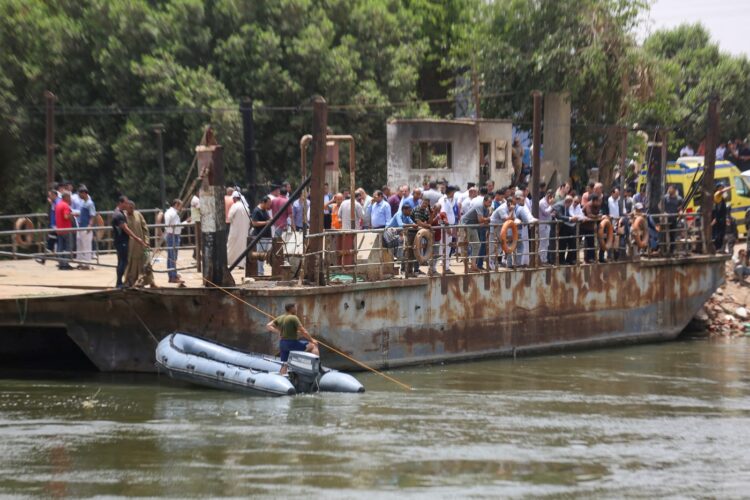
(209, 364)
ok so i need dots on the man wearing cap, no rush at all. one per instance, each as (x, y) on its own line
(239, 227)
(86, 213)
(401, 219)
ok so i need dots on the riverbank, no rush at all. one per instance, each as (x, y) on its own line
(727, 312)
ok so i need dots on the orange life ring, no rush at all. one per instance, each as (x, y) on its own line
(606, 234)
(640, 232)
(423, 246)
(98, 222)
(24, 240)
(509, 225)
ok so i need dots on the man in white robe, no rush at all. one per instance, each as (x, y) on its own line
(239, 227)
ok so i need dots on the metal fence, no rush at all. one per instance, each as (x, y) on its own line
(441, 250)
(374, 254)
(33, 243)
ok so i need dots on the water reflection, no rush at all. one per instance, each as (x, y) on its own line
(668, 419)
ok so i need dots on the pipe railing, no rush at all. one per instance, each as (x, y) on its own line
(674, 236)
(670, 235)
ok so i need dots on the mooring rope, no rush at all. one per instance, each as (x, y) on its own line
(143, 322)
(359, 363)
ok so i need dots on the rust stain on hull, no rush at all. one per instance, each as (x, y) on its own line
(399, 322)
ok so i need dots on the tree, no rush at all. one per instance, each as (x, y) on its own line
(693, 69)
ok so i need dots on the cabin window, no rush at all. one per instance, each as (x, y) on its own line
(431, 155)
(740, 185)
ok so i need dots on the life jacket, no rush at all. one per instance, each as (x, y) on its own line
(335, 221)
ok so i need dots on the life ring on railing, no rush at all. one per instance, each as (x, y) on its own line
(24, 240)
(606, 234)
(98, 221)
(423, 246)
(509, 225)
(159, 231)
(640, 232)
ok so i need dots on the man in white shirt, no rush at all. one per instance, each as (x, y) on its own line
(432, 194)
(613, 205)
(447, 207)
(523, 216)
(497, 219)
(239, 228)
(195, 209)
(345, 213)
(720, 151)
(466, 201)
(545, 220)
(687, 150)
(172, 233)
(85, 213)
(576, 209)
(460, 196)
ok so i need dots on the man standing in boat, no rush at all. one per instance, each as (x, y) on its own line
(289, 328)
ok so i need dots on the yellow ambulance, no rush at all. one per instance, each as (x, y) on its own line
(687, 170)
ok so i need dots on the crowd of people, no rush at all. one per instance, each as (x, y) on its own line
(72, 219)
(465, 225)
(737, 151)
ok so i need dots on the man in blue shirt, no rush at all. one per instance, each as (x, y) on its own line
(380, 211)
(297, 221)
(402, 217)
(398, 221)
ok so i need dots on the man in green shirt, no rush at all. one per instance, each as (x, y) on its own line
(289, 327)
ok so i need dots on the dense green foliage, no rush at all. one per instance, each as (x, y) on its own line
(120, 66)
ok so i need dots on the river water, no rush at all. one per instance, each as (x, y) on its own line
(661, 420)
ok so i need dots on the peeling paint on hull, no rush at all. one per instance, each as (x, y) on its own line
(399, 322)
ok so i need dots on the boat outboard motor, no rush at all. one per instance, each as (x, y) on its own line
(304, 371)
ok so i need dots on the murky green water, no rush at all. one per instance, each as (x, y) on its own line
(650, 421)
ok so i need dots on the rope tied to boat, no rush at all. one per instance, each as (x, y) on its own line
(333, 349)
(142, 322)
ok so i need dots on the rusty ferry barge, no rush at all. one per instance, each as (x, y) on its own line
(348, 294)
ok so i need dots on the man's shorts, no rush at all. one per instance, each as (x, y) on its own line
(286, 345)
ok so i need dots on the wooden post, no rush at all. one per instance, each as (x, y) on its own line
(656, 177)
(623, 166)
(313, 263)
(536, 167)
(50, 137)
(198, 266)
(213, 223)
(708, 187)
(248, 139)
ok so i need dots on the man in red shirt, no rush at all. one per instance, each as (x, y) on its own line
(64, 221)
(276, 205)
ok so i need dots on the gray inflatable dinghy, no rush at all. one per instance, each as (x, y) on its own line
(207, 363)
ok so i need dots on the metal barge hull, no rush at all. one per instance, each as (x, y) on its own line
(396, 322)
